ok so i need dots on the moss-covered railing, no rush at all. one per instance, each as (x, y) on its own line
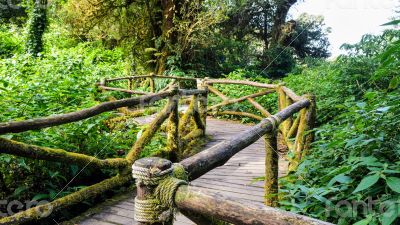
(159, 189)
(182, 131)
(162, 187)
(294, 132)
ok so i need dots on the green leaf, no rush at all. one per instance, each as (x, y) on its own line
(341, 178)
(394, 83)
(391, 213)
(393, 183)
(18, 191)
(364, 221)
(39, 197)
(392, 23)
(367, 182)
(354, 141)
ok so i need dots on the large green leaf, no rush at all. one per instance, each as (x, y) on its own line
(364, 221)
(391, 213)
(367, 182)
(393, 183)
(392, 23)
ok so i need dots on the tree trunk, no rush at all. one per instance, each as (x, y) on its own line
(169, 36)
(279, 20)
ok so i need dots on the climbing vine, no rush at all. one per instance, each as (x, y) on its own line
(36, 27)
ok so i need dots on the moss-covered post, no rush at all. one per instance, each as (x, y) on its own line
(203, 102)
(281, 106)
(287, 124)
(130, 84)
(310, 119)
(148, 172)
(152, 84)
(271, 169)
(173, 139)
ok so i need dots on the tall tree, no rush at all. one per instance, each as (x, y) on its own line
(310, 37)
(262, 19)
(36, 27)
(154, 29)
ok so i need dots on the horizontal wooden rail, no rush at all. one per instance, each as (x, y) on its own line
(237, 113)
(243, 82)
(124, 90)
(234, 210)
(241, 99)
(150, 76)
(16, 127)
(127, 78)
(219, 154)
(184, 92)
(58, 155)
(291, 94)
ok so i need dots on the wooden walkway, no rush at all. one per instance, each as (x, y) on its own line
(235, 178)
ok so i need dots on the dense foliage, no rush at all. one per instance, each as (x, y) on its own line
(352, 172)
(354, 161)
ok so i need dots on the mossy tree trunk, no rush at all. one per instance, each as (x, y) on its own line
(36, 27)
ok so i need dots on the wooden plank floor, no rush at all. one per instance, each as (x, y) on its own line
(235, 178)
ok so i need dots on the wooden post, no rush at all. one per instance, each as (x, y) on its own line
(203, 102)
(152, 84)
(145, 189)
(271, 169)
(173, 139)
(130, 84)
(281, 106)
(310, 119)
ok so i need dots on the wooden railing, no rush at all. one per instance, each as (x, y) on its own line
(290, 126)
(179, 137)
(294, 132)
(162, 186)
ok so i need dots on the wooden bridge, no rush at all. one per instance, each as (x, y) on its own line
(234, 179)
(213, 184)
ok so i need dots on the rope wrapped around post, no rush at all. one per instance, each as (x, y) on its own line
(275, 121)
(157, 181)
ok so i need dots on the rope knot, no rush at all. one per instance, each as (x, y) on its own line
(158, 206)
(275, 121)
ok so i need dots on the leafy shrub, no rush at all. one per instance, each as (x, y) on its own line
(9, 43)
(355, 160)
(61, 81)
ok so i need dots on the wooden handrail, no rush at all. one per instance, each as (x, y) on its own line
(149, 76)
(58, 155)
(123, 90)
(21, 126)
(244, 82)
(241, 99)
(234, 210)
